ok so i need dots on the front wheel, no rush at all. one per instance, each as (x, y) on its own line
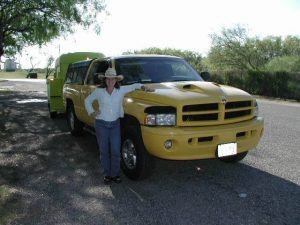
(136, 162)
(234, 158)
(74, 124)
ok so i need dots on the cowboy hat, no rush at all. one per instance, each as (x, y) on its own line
(111, 73)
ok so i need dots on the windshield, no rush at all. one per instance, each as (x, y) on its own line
(155, 70)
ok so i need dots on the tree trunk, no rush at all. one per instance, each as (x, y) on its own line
(1, 40)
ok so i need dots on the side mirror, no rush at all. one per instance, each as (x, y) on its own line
(205, 75)
(97, 80)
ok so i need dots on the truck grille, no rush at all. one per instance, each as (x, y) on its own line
(216, 113)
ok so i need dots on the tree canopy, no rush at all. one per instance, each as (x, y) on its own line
(233, 49)
(30, 22)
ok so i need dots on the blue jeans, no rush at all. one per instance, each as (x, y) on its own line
(109, 142)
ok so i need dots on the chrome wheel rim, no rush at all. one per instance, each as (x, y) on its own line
(129, 154)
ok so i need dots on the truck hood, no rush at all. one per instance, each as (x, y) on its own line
(190, 92)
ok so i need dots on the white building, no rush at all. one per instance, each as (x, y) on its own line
(10, 65)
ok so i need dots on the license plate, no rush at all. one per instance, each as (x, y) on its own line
(227, 149)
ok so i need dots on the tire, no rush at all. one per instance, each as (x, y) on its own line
(235, 158)
(52, 114)
(75, 126)
(136, 162)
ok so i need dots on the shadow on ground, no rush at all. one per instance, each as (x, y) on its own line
(49, 177)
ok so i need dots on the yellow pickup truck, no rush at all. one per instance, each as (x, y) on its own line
(185, 118)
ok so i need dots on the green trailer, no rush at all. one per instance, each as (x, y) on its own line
(55, 83)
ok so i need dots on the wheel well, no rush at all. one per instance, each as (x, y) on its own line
(129, 121)
(69, 102)
(144, 161)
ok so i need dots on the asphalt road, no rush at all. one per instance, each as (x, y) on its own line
(49, 177)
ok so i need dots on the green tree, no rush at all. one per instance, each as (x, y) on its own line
(269, 48)
(49, 69)
(232, 49)
(30, 22)
(261, 51)
(291, 46)
(284, 63)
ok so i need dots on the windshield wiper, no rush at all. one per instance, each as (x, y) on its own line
(182, 80)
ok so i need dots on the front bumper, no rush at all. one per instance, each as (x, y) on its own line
(201, 142)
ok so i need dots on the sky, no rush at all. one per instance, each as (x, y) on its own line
(179, 24)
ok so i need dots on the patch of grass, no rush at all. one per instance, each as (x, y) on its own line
(5, 91)
(19, 74)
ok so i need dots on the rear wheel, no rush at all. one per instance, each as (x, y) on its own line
(136, 162)
(234, 158)
(74, 124)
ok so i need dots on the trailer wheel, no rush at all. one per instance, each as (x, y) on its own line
(52, 114)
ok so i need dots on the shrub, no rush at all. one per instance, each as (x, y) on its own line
(273, 84)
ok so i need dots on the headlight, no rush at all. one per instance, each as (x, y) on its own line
(160, 119)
